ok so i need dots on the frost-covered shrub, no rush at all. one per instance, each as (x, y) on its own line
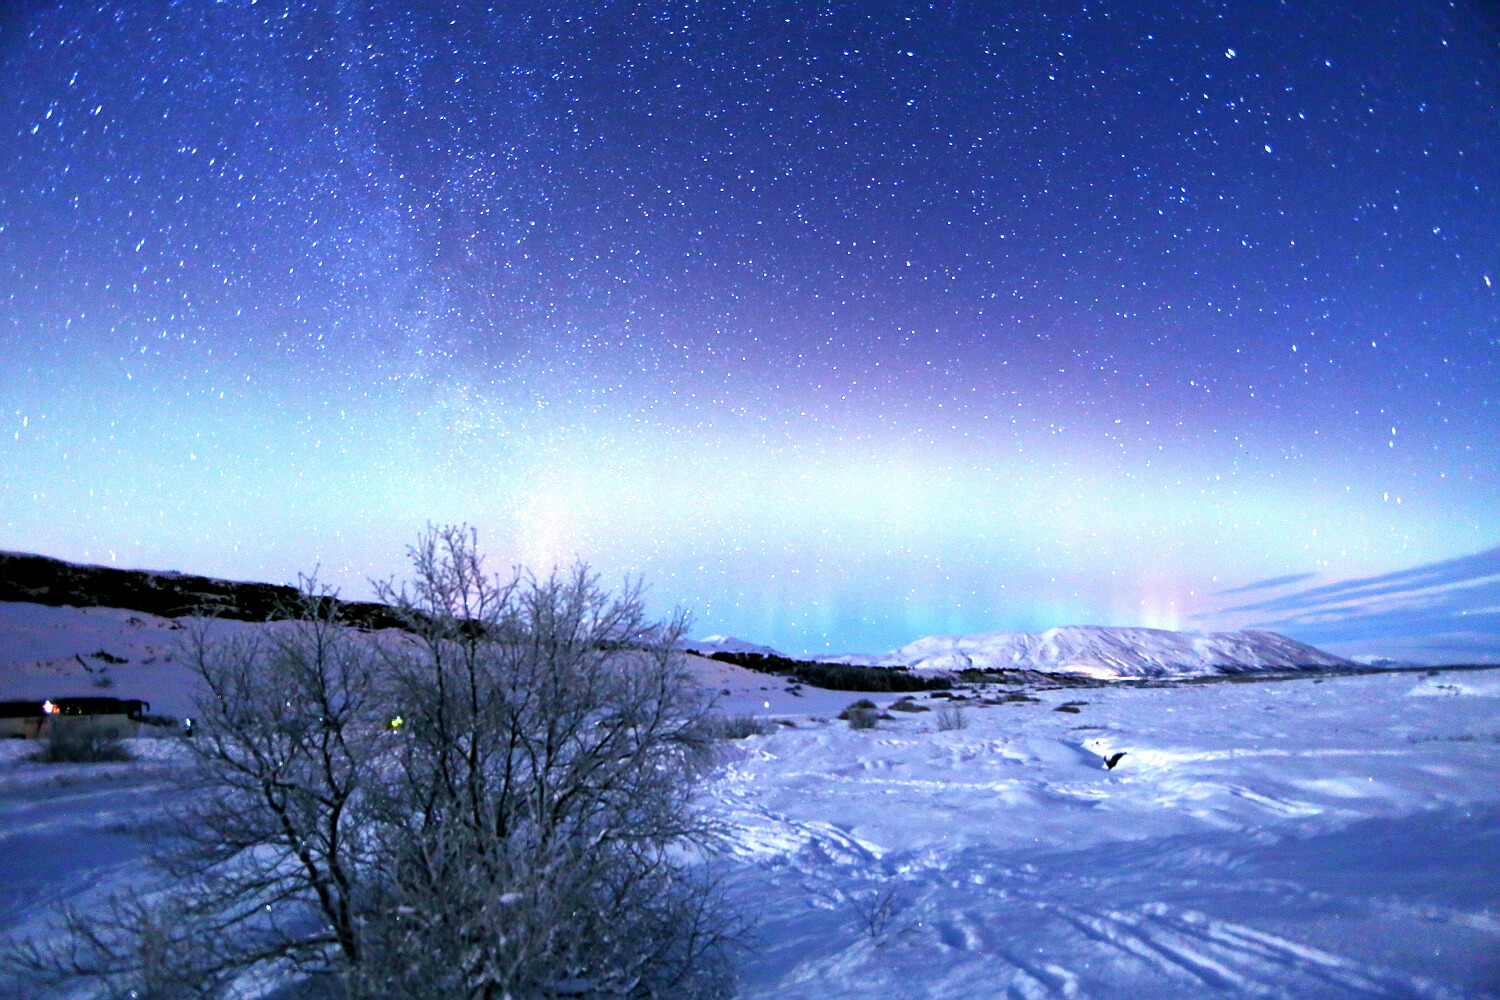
(527, 829)
(951, 717)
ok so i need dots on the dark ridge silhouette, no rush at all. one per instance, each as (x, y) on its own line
(54, 582)
(836, 676)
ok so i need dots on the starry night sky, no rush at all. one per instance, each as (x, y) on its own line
(841, 323)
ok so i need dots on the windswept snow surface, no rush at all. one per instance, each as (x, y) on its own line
(1304, 838)
(1293, 839)
(1105, 653)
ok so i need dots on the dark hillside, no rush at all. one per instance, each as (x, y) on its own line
(44, 580)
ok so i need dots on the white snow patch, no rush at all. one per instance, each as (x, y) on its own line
(711, 644)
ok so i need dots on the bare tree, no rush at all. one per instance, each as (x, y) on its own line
(875, 907)
(497, 802)
(538, 829)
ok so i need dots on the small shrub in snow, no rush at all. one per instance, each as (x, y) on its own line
(862, 714)
(737, 727)
(82, 744)
(863, 703)
(950, 718)
(875, 908)
(908, 705)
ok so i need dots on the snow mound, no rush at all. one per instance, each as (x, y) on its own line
(1479, 685)
(1106, 653)
(712, 644)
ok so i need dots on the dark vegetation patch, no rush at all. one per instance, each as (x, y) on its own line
(836, 676)
(864, 704)
(862, 714)
(908, 705)
(1238, 675)
(1029, 678)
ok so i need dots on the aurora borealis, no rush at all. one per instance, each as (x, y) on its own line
(841, 323)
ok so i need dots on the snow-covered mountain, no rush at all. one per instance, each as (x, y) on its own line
(709, 645)
(1105, 653)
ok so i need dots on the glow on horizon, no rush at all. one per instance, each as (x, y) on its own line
(811, 544)
(962, 319)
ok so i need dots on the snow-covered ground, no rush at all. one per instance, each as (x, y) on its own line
(1335, 838)
(48, 652)
(1330, 837)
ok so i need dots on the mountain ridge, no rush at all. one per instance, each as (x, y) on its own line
(45, 580)
(1106, 652)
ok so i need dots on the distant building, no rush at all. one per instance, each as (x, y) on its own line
(119, 717)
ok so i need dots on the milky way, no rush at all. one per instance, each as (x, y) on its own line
(841, 323)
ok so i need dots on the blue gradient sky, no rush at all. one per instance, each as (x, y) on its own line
(842, 324)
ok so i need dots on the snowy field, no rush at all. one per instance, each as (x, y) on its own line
(1283, 839)
(1304, 838)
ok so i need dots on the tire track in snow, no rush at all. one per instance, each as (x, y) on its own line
(990, 922)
